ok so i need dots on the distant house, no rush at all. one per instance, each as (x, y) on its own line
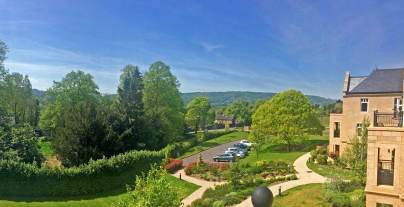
(224, 121)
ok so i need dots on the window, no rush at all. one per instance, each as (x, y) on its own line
(359, 129)
(398, 104)
(364, 104)
(336, 129)
(383, 205)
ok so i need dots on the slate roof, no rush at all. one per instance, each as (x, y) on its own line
(224, 117)
(381, 81)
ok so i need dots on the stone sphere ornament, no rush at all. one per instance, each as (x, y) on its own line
(262, 197)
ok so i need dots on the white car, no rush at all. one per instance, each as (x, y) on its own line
(246, 143)
(236, 151)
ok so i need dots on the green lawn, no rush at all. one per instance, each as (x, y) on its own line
(331, 170)
(302, 196)
(233, 136)
(277, 152)
(46, 147)
(182, 187)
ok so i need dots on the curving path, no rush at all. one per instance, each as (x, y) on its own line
(304, 174)
(198, 193)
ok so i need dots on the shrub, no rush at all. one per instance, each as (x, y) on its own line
(218, 204)
(322, 159)
(173, 165)
(188, 169)
(96, 177)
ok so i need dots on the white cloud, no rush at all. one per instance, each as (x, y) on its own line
(210, 47)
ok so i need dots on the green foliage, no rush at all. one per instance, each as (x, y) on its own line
(20, 144)
(163, 104)
(319, 155)
(132, 130)
(81, 136)
(241, 111)
(343, 193)
(355, 156)
(152, 190)
(288, 118)
(197, 113)
(75, 87)
(102, 176)
(16, 95)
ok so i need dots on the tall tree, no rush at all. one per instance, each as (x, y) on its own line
(197, 113)
(241, 111)
(288, 117)
(71, 112)
(163, 104)
(74, 88)
(80, 134)
(130, 99)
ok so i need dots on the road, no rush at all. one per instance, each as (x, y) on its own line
(208, 154)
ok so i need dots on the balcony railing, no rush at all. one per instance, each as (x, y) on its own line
(385, 172)
(394, 119)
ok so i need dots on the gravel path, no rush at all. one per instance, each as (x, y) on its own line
(208, 154)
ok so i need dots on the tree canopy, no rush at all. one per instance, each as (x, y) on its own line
(287, 118)
(163, 104)
(197, 113)
(131, 109)
(241, 111)
(152, 190)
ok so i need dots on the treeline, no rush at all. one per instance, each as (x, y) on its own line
(147, 114)
(19, 114)
(83, 125)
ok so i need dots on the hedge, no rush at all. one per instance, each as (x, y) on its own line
(97, 177)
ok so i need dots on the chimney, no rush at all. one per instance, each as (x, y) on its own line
(346, 83)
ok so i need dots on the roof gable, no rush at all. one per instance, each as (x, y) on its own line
(381, 81)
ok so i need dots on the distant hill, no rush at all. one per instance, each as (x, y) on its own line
(226, 98)
(38, 93)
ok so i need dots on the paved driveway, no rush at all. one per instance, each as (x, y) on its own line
(208, 154)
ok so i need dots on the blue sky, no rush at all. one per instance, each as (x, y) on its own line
(211, 45)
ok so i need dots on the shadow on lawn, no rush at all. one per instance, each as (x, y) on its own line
(115, 192)
(306, 146)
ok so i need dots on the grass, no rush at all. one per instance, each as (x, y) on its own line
(331, 170)
(306, 195)
(277, 152)
(46, 148)
(182, 187)
(233, 136)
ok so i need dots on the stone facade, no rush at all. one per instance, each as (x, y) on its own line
(385, 181)
(378, 98)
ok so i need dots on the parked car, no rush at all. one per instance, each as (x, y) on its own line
(224, 158)
(234, 154)
(246, 143)
(243, 147)
(237, 151)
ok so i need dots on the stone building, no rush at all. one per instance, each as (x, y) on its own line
(378, 98)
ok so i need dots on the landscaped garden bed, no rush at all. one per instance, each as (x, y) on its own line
(241, 180)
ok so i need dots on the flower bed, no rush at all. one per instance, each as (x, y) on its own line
(229, 194)
(173, 165)
(206, 171)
